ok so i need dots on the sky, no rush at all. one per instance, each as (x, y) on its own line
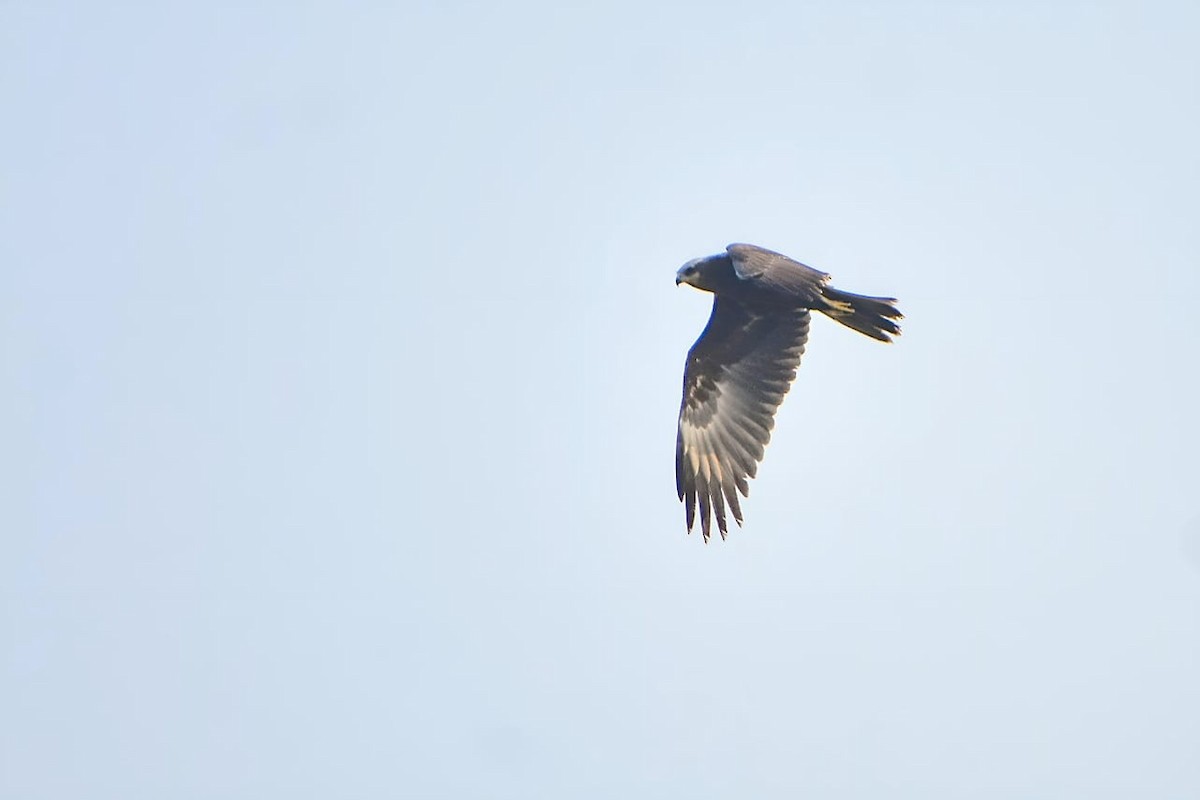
(340, 359)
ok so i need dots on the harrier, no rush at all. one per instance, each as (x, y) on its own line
(742, 365)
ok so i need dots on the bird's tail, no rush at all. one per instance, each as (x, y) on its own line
(868, 315)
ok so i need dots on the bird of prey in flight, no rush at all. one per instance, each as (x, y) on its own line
(743, 364)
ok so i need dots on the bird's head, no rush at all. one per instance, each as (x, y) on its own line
(699, 272)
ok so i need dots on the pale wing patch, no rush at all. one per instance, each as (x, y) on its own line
(730, 400)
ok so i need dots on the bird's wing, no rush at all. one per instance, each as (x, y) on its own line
(772, 270)
(736, 375)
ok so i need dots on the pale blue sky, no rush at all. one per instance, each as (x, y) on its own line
(340, 358)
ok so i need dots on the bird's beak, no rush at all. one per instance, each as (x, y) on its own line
(678, 280)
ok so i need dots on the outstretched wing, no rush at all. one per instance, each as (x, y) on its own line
(736, 375)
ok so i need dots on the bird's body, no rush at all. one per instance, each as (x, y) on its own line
(742, 365)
